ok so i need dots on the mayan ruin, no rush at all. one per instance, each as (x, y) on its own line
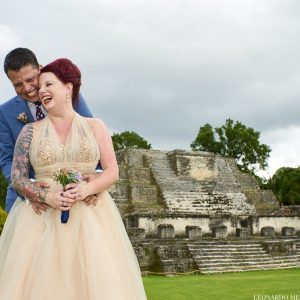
(195, 211)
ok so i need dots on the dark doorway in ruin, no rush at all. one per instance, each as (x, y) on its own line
(244, 223)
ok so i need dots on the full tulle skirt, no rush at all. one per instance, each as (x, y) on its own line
(88, 258)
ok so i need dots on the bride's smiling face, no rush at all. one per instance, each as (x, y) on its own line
(52, 91)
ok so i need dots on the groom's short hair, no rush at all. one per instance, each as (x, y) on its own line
(19, 58)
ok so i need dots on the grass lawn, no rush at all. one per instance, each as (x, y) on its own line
(239, 286)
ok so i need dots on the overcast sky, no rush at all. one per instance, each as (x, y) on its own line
(165, 68)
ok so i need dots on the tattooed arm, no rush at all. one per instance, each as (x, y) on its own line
(21, 166)
(20, 176)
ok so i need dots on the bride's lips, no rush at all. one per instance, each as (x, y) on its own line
(46, 99)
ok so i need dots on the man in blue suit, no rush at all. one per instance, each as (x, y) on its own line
(22, 69)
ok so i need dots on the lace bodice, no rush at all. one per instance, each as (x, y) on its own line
(80, 152)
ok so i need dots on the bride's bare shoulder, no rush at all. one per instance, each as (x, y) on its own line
(96, 123)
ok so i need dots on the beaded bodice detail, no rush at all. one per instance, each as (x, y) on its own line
(80, 152)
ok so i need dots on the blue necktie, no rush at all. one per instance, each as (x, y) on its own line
(39, 113)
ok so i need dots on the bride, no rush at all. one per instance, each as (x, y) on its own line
(90, 257)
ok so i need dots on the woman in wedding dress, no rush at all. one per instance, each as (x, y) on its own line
(90, 257)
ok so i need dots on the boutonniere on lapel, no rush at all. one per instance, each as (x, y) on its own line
(22, 117)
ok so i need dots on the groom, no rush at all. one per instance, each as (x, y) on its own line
(22, 69)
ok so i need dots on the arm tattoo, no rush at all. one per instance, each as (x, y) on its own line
(21, 166)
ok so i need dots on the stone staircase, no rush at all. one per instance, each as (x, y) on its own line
(226, 182)
(237, 256)
(298, 247)
(204, 197)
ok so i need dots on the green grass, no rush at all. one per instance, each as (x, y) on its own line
(233, 286)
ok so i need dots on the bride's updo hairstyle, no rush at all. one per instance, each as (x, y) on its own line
(67, 72)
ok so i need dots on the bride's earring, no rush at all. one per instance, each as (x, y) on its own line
(67, 98)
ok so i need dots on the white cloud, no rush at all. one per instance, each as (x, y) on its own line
(164, 68)
(285, 145)
(8, 39)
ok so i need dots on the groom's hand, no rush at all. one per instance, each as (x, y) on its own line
(91, 200)
(37, 206)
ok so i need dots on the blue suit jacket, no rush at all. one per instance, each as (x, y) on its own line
(10, 128)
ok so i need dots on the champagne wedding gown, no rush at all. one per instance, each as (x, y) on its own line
(88, 258)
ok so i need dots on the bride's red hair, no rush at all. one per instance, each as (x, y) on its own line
(67, 72)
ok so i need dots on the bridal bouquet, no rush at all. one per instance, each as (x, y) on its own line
(64, 177)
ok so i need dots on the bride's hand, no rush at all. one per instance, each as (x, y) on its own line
(60, 200)
(91, 199)
(79, 191)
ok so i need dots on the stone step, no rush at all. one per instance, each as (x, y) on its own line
(223, 209)
(249, 257)
(229, 243)
(269, 260)
(248, 268)
(225, 252)
(228, 253)
(208, 211)
(248, 264)
(200, 194)
(223, 247)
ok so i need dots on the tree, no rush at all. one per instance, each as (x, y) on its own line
(205, 140)
(285, 184)
(129, 139)
(236, 140)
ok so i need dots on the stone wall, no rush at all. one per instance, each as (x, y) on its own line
(277, 223)
(207, 224)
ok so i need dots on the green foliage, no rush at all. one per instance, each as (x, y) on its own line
(235, 140)
(205, 140)
(285, 184)
(129, 139)
(3, 190)
(3, 217)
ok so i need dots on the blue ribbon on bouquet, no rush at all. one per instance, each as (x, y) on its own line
(64, 177)
(64, 217)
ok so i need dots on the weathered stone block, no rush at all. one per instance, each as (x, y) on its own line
(188, 164)
(120, 190)
(166, 231)
(219, 232)
(122, 171)
(288, 231)
(135, 158)
(193, 232)
(136, 233)
(140, 175)
(144, 194)
(242, 232)
(267, 231)
(280, 247)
